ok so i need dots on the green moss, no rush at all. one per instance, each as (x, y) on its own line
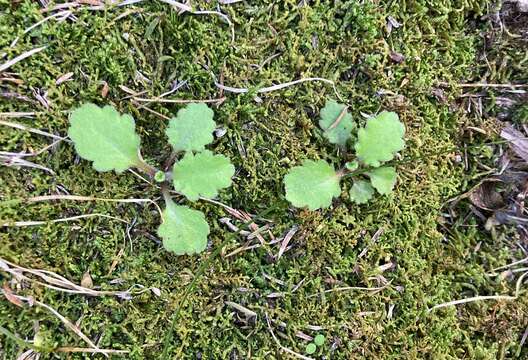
(347, 42)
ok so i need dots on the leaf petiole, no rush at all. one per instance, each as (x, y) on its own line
(346, 173)
(145, 167)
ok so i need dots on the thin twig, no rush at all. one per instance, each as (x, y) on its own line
(228, 2)
(15, 114)
(145, 107)
(223, 16)
(27, 128)
(349, 288)
(524, 337)
(339, 118)
(55, 281)
(10, 160)
(34, 223)
(374, 238)
(65, 14)
(472, 299)
(67, 349)
(242, 309)
(243, 248)
(510, 265)
(186, 8)
(509, 271)
(479, 298)
(227, 207)
(35, 153)
(83, 198)
(274, 87)
(179, 101)
(492, 85)
(21, 57)
(178, 5)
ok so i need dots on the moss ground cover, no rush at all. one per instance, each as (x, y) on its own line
(413, 69)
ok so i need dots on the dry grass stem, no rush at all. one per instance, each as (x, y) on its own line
(61, 16)
(242, 309)
(20, 57)
(350, 288)
(480, 298)
(16, 115)
(26, 128)
(57, 282)
(44, 222)
(10, 160)
(67, 349)
(179, 101)
(286, 241)
(339, 118)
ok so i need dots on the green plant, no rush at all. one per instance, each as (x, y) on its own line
(109, 139)
(315, 183)
(318, 341)
(311, 348)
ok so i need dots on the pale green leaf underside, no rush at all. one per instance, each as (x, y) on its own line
(336, 132)
(202, 174)
(184, 230)
(380, 139)
(383, 179)
(105, 137)
(192, 128)
(361, 192)
(313, 184)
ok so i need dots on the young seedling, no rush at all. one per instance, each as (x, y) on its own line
(109, 139)
(311, 348)
(315, 183)
(318, 341)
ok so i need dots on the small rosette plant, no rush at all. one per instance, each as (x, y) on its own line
(315, 183)
(110, 141)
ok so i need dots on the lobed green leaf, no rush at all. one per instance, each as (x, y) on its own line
(310, 349)
(319, 339)
(336, 122)
(105, 137)
(380, 139)
(183, 230)
(383, 179)
(361, 192)
(313, 184)
(202, 174)
(192, 128)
